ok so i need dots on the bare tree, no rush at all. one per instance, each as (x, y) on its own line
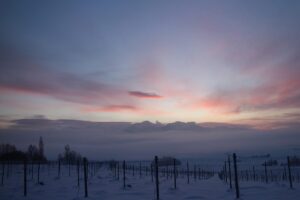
(41, 147)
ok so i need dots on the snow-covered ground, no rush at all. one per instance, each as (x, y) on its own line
(104, 185)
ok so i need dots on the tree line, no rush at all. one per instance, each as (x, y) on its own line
(33, 153)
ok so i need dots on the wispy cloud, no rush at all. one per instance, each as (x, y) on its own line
(21, 74)
(282, 95)
(112, 108)
(276, 121)
(140, 94)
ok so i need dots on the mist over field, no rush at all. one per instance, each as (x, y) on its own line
(117, 140)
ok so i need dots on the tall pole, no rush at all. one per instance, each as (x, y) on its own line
(3, 167)
(78, 167)
(58, 168)
(266, 172)
(25, 177)
(225, 171)
(229, 168)
(156, 178)
(253, 169)
(85, 177)
(237, 190)
(38, 175)
(140, 169)
(124, 177)
(188, 172)
(290, 174)
(174, 172)
(118, 170)
(151, 172)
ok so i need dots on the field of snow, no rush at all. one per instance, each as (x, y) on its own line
(104, 184)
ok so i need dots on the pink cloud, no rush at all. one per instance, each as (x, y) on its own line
(279, 94)
(111, 108)
(125, 108)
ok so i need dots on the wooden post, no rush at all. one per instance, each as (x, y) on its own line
(229, 168)
(118, 170)
(7, 170)
(58, 168)
(78, 166)
(69, 162)
(38, 174)
(85, 177)
(188, 172)
(115, 169)
(195, 175)
(132, 170)
(285, 174)
(48, 167)
(2, 178)
(266, 172)
(167, 172)
(151, 172)
(25, 177)
(32, 166)
(156, 178)
(174, 172)
(290, 174)
(124, 175)
(225, 171)
(237, 189)
(253, 168)
(140, 169)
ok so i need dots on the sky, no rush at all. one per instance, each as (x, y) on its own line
(204, 61)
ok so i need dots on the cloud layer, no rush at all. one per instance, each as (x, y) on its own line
(140, 94)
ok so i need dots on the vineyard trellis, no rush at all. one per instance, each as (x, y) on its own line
(235, 171)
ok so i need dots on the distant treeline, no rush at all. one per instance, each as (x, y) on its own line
(33, 153)
(69, 156)
(9, 152)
